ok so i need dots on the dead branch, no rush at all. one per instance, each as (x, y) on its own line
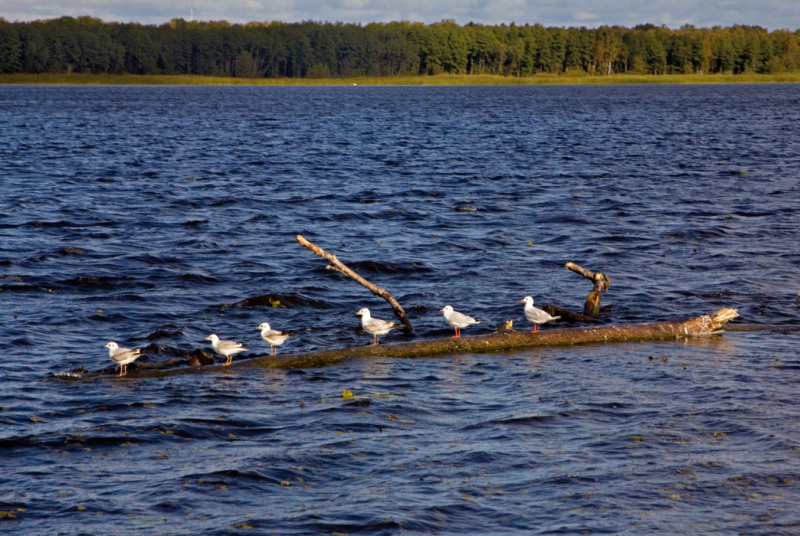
(340, 267)
(601, 284)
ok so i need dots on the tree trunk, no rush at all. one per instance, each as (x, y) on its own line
(502, 340)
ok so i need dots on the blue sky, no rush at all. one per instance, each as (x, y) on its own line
(772, 14)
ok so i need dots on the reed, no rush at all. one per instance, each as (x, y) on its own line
(439, 80)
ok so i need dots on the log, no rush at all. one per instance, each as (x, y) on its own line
(568, 315)
(339, 266)
(601, 283)
(507, 339)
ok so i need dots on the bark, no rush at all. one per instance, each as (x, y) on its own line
(500, 340)
(339, 266)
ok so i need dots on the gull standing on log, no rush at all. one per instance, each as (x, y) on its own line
(376, 326)
(122, 356)
(225, 348)
(273, 337)
(536, 315)
(457, 320)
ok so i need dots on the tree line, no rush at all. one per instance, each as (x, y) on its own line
(321, 49)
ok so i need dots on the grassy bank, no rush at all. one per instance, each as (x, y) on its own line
(441, 80)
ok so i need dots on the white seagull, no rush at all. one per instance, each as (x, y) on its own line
(536, 315)
(457, 320)
(122, 356)
(272, 337)
(226, 348)
(376, 326)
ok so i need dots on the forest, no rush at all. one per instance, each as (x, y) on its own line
(320, 49)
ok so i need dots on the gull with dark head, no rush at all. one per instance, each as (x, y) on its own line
(225, 348)
(457, 320)
(536, 315)
(122, 356)
(376, 326)
(273, 337)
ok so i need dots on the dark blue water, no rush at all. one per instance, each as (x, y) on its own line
(155, 216)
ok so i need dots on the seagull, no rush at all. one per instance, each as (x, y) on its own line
(272, 337)
(226, 348)
(457, 320)
(536, 315)
(122, 356)
(376, 326)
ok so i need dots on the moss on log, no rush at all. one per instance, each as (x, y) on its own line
(501, 340)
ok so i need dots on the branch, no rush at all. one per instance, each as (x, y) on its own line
(601, 283)
(340, 267)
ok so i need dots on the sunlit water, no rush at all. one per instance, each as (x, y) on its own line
(155, 216)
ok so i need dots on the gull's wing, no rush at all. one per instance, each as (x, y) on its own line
(229, 345)
(461, 318)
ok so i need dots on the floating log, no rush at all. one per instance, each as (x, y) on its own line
(339, 266)
(506, 339)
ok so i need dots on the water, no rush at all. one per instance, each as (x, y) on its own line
(155, 216)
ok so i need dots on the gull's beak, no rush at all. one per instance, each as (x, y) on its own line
(358, 314)
(441, 310)
(522, 300)
(207, 338)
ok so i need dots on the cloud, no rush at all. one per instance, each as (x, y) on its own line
(772, 14)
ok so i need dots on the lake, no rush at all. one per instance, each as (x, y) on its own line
(154, 216)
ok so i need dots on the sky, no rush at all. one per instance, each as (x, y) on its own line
(771, 14)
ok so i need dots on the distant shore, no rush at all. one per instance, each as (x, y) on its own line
(439, 80)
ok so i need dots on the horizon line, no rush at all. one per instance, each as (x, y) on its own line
(442, 21)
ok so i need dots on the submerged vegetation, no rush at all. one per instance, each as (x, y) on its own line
(473, 53)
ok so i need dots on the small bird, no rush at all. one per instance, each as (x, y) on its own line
(536, 315)
(226, 348)
(457, 320)
(122, 356)
(273, 337)
(376, 326)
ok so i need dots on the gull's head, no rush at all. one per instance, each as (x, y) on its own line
(446, 309)
(111, 346)
(528, 300)
(263, 326)
(212, 338)
(363, 312)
